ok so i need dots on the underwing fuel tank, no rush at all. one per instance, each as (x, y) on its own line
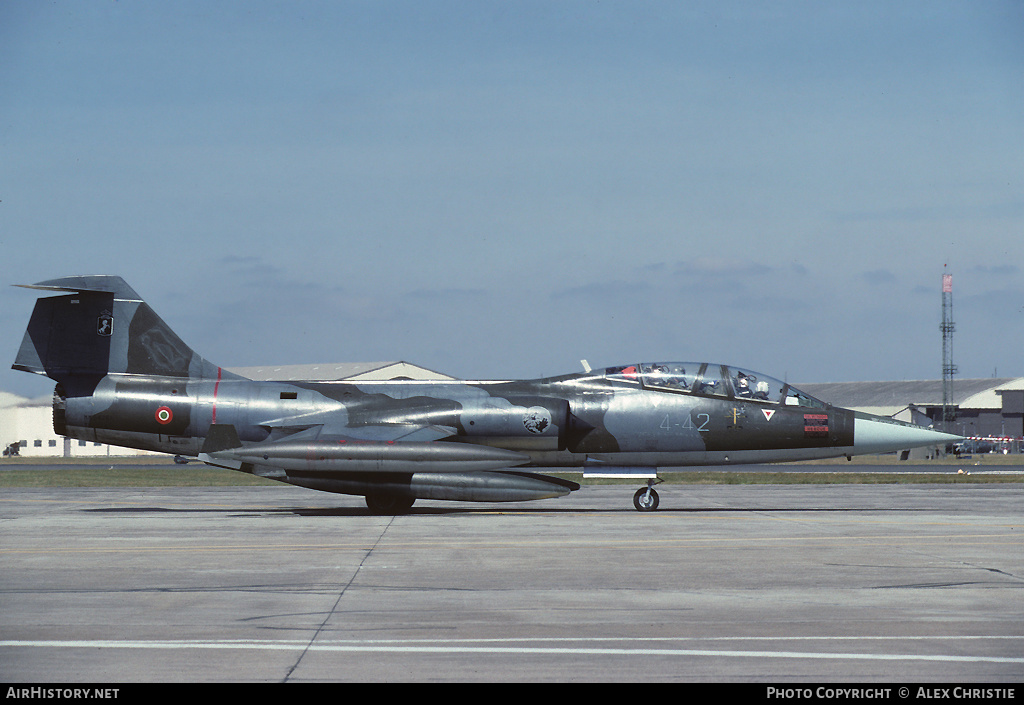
(463, 487)
(348, 455)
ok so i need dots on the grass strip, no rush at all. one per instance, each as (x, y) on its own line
(135, 476)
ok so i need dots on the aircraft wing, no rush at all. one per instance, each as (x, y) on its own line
(372, 448)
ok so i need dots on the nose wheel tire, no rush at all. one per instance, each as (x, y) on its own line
(645, 499)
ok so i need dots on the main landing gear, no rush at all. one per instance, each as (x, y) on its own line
(389, 503)
(646, 498)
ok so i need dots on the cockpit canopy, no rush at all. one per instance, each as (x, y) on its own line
(712, 380)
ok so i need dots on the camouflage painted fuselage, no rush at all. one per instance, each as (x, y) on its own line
(568, 421)
(125, 378)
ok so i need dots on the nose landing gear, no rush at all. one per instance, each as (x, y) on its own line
(646, 498)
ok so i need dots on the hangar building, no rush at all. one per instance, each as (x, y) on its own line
(987, 410)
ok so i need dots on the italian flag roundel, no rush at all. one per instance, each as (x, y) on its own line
(164, 415)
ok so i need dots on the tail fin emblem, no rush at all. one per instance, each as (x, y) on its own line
(105, 324)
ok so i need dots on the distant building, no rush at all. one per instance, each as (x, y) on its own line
(26, 430)
(26, 425)
(349, 371)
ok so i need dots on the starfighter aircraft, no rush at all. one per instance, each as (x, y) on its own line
(125, 378)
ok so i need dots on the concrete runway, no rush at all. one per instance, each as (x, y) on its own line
(764, 584)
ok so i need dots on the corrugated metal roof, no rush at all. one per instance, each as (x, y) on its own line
(338, 370)
(990, 398)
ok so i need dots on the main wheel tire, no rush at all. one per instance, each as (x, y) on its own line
(389, 503)
(645, 502)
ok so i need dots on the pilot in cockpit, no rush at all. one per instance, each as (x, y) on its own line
(762, 390)
(677, 378)
(743, 385)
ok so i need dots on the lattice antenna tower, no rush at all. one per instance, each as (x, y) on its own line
(948, 368)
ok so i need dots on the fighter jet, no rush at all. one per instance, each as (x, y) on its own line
(125, 378)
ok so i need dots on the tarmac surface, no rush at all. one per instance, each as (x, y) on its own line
(766, 584)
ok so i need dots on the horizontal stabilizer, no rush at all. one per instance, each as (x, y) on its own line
(94, 282)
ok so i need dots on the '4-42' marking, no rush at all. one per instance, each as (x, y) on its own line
(701, 423)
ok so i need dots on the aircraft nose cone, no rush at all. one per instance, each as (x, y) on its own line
(883, 435)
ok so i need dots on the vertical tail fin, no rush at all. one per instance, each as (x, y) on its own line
(102, 327)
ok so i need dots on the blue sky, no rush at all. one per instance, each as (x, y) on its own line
(498, 189)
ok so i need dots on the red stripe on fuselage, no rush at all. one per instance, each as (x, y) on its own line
(216, 386)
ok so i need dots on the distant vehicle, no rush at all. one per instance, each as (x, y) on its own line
(125, 378)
